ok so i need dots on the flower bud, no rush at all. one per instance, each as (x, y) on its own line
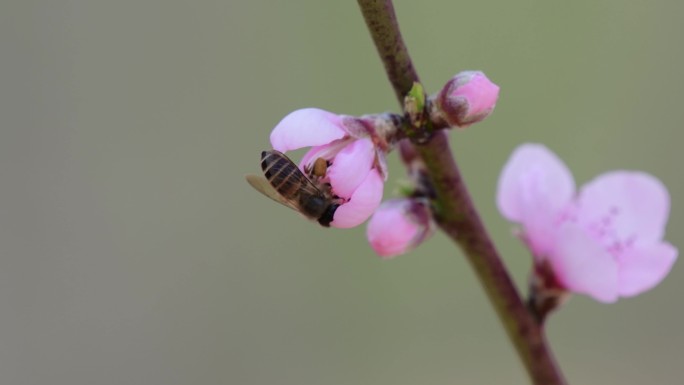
(467, 98)
(398, 226)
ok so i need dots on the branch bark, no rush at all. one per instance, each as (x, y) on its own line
(454, 210)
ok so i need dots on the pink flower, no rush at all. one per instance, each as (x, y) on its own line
(356, 168)
(467, 98)
(398, 226)
(606, 241)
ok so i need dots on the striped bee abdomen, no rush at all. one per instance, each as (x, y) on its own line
(283, 175)
(295, 189)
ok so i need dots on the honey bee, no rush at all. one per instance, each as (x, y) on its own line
(286, 184)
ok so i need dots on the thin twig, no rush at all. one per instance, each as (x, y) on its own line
(454, 209)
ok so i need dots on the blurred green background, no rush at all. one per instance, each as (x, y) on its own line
(133, 252)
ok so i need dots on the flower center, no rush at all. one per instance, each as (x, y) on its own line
(604, 230)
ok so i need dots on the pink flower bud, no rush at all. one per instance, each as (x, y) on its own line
(398, 226)
(467, 98)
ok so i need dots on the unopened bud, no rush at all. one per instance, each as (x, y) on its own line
(467, 98)
(398, 226)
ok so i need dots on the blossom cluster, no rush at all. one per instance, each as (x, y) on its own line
(354, 150)
(605, 241)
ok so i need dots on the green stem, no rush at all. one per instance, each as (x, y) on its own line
(454, 209)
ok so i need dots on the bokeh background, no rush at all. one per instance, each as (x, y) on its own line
(133, 252)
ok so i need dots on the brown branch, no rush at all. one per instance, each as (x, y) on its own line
(387, 38)
(454, 209)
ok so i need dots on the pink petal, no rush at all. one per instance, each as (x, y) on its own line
(326, 151)
(583, 266)
(534, 181)
(539, 233)
(351, 166)
(306, 127)
(644, 266)
(634, 204)
(362, 204)
(394, 229)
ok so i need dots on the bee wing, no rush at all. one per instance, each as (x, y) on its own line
(262, 185)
